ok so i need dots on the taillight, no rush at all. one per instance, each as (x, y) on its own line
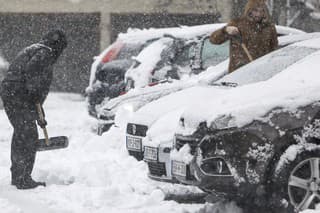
(112, 53)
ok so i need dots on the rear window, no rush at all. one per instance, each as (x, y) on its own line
(266, 67)
(129, 49)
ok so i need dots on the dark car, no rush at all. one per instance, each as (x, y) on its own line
(108, 71)
(272, 161)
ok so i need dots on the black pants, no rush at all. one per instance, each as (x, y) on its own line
(21, 115)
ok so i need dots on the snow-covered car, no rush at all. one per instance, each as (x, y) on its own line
(109, 68)
(180, 53)
(259, 143)
(159, 127)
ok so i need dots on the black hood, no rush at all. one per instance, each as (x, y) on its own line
(56, 40)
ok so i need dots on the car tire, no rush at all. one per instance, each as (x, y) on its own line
(297, 184)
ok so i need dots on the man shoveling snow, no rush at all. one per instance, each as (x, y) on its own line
(27, 84)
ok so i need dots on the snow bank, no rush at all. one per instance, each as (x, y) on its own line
(94, 174)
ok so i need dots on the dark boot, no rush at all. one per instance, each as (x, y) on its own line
(28, 183)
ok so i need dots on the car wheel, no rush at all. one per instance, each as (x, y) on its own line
(297, 184)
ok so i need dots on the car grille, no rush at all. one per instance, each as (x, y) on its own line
(136, 155)
(157, 169)
(137, 130)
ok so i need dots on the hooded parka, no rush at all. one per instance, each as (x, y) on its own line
(259, 37)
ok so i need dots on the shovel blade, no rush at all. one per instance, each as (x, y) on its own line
(54, 143)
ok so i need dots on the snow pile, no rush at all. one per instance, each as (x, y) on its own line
(94, 174)
(8, 207)
(221, 207)
(147, 59)
(183, 155)
(248, 102)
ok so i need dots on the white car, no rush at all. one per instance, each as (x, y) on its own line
(179, 54)
(161, 117)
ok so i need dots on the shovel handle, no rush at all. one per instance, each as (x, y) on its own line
(41, 117)
(244, 47)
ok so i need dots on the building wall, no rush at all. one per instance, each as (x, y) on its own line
(106, 7)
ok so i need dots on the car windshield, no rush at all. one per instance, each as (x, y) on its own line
(130, 49)
(212, 54)
(267, 66)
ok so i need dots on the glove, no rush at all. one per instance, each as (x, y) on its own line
(232, 30)
(42, 123)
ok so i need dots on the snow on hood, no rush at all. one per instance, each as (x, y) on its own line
(163, 130)
(148, 59)
(296, 86)
(283, 30)
(156, 109)
(148, 94)
(289, 39)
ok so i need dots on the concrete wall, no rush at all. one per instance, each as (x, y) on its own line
(105, 7)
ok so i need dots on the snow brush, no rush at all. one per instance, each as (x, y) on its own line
(47, 143)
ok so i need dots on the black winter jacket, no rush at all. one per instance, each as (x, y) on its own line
(30, 74)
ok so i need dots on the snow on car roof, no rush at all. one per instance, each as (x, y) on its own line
(186, 32)
(296, 86)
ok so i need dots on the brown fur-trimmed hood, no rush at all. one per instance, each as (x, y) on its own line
(251, 4)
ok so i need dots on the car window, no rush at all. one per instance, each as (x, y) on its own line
(130, 49)
(183, 56)
(213, 54)
(264, 68)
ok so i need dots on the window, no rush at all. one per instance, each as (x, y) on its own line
(212, 54)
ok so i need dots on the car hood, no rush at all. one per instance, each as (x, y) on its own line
(163, 115)
(294, 87)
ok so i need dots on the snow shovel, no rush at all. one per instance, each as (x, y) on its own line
(47, 143)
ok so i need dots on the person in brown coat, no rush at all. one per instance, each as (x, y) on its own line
(255, 29)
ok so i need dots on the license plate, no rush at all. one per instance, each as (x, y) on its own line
(151, 153)
(179, 168)
(134, 143)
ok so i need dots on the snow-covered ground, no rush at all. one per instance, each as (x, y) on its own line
(94, 174)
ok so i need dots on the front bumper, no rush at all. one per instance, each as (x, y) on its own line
(185, 176)
(214, 182)
(160, 166)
